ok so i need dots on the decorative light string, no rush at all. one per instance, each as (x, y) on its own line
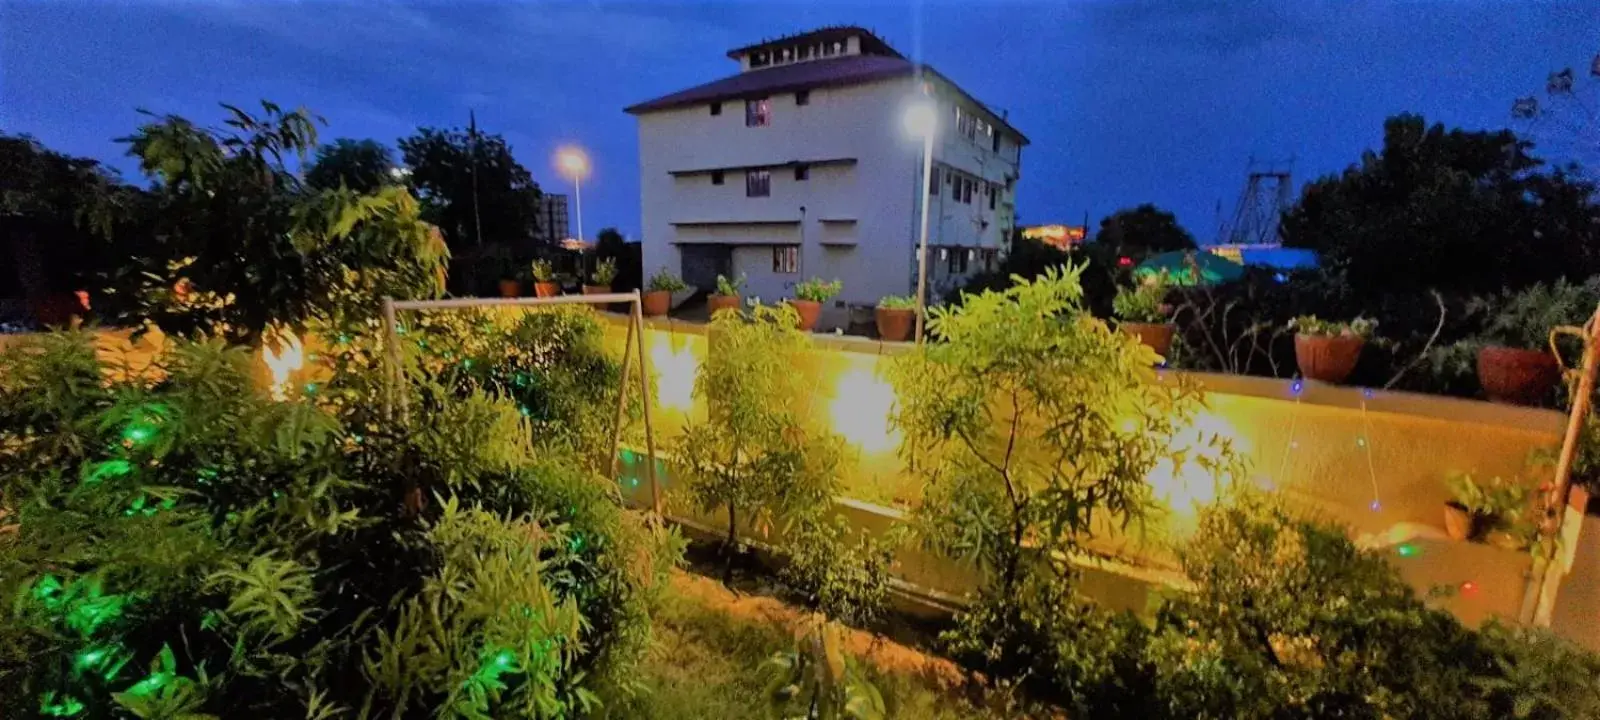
(1364, 441)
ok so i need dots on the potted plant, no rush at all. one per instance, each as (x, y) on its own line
(727, 295)
(1477, 509)
(544, 279)
(895, 315)
(1327, 350)
(509, 287)
(1142, 313)
(605, 270)
(809, 297)
(1514, 360)
(658, 292)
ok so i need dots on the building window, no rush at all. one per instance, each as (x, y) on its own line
(955, 186)
(997, 142)
(757, 113)
(958, 261)
(716, 177)
(802, 97)
(760, 59)
(994, 192)
(716, 108)
(786, 259)
(966, 190)
(802, 172)
(757, 183)
(933, 181)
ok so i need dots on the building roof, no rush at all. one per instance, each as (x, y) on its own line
(832, 72)
(847, 70)
(870, 44)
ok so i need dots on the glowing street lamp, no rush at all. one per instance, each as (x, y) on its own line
(573, 162)
(921, 120)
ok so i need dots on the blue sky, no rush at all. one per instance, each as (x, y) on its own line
(1126, 102)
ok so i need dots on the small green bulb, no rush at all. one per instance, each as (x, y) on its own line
(1408, 550)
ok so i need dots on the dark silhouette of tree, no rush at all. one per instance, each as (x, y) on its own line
(360, 165)
(1451, 210)
(1143, 230)
(484, 201)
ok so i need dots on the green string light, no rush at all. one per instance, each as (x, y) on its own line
(1407, 550)
(67, 706)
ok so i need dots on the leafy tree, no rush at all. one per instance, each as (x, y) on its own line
(1143, 230)
(609, 243)
(360, 165)
(1566, 120)
(54, 209)
(1451, 210)
(240, 245)
(756, 452)
(485, 201)
(1032, 424)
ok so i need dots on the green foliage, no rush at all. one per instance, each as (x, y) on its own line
(300, 558)
(1498, 504)
(1144, 302)
(55, 210)
(817, 289)
(844, 580)
(818, 680)
(756, 451)
(730, 287)
(243, 245)
(664, 280)
(605, 270)
(483, 200)
(1524, 318)
(897, 302)
(1451, 210)
(542, 271)
(362, 166)
(1030, 421)
(1539, 676)
(1312, 325)
(1143, 230)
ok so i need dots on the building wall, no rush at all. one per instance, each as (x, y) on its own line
(873, 256)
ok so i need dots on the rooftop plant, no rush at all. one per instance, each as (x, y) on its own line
(665, 281)
(605, 270)
(818, 290)
(897, 302)
(542, 271)
(730, 287)
(1312, 325)
(1144, 302)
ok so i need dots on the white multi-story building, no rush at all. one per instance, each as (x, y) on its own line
(801, 166)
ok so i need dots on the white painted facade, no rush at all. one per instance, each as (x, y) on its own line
(853, 217)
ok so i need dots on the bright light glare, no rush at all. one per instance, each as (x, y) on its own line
(860, 411)
(282, 361)
(572, 161)
(675, 371)
(921, 118)
(1183, 489)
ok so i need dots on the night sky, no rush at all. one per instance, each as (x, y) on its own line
(1158, 101)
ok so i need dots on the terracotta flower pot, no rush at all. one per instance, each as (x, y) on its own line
(725, 302)
(1156, 336)
(1457, 521)
(510, 288)
(596, 289)
(657, 302)
(546, 289)
(1512, 375)
(1328, 358)
(809, 312)
(894, 324)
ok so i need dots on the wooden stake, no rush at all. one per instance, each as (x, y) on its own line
(644, 384)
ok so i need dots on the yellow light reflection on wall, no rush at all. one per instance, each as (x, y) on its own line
(675, 370)
(860, 410)
(288, 357)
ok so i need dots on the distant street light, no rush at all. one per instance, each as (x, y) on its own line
(921, 120)
(573, 162)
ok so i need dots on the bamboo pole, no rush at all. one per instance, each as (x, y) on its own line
(622, 396)
(644, 384)
(1546, 580)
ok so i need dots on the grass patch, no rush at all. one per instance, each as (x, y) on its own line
(706, 663)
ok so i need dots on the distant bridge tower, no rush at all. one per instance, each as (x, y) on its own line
(1267, 194)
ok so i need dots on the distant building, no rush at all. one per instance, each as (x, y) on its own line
(553, 227)
(800, 166)
(1064, 237)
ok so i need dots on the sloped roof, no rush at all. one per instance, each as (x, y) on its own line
(847, 70)
(871, 44)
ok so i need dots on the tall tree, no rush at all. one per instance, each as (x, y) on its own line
(1143, 230)
(1448, 209)
(485, 201)
(360, 165)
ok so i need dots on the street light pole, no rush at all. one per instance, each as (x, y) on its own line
(922, 243)
(577, 191)
(573, 162)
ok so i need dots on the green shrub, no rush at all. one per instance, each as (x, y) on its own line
(897, 302)
(844, 580)
(818, 290)
(1144, 302)
(756, 452)
(664, 280)
(197, 548)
